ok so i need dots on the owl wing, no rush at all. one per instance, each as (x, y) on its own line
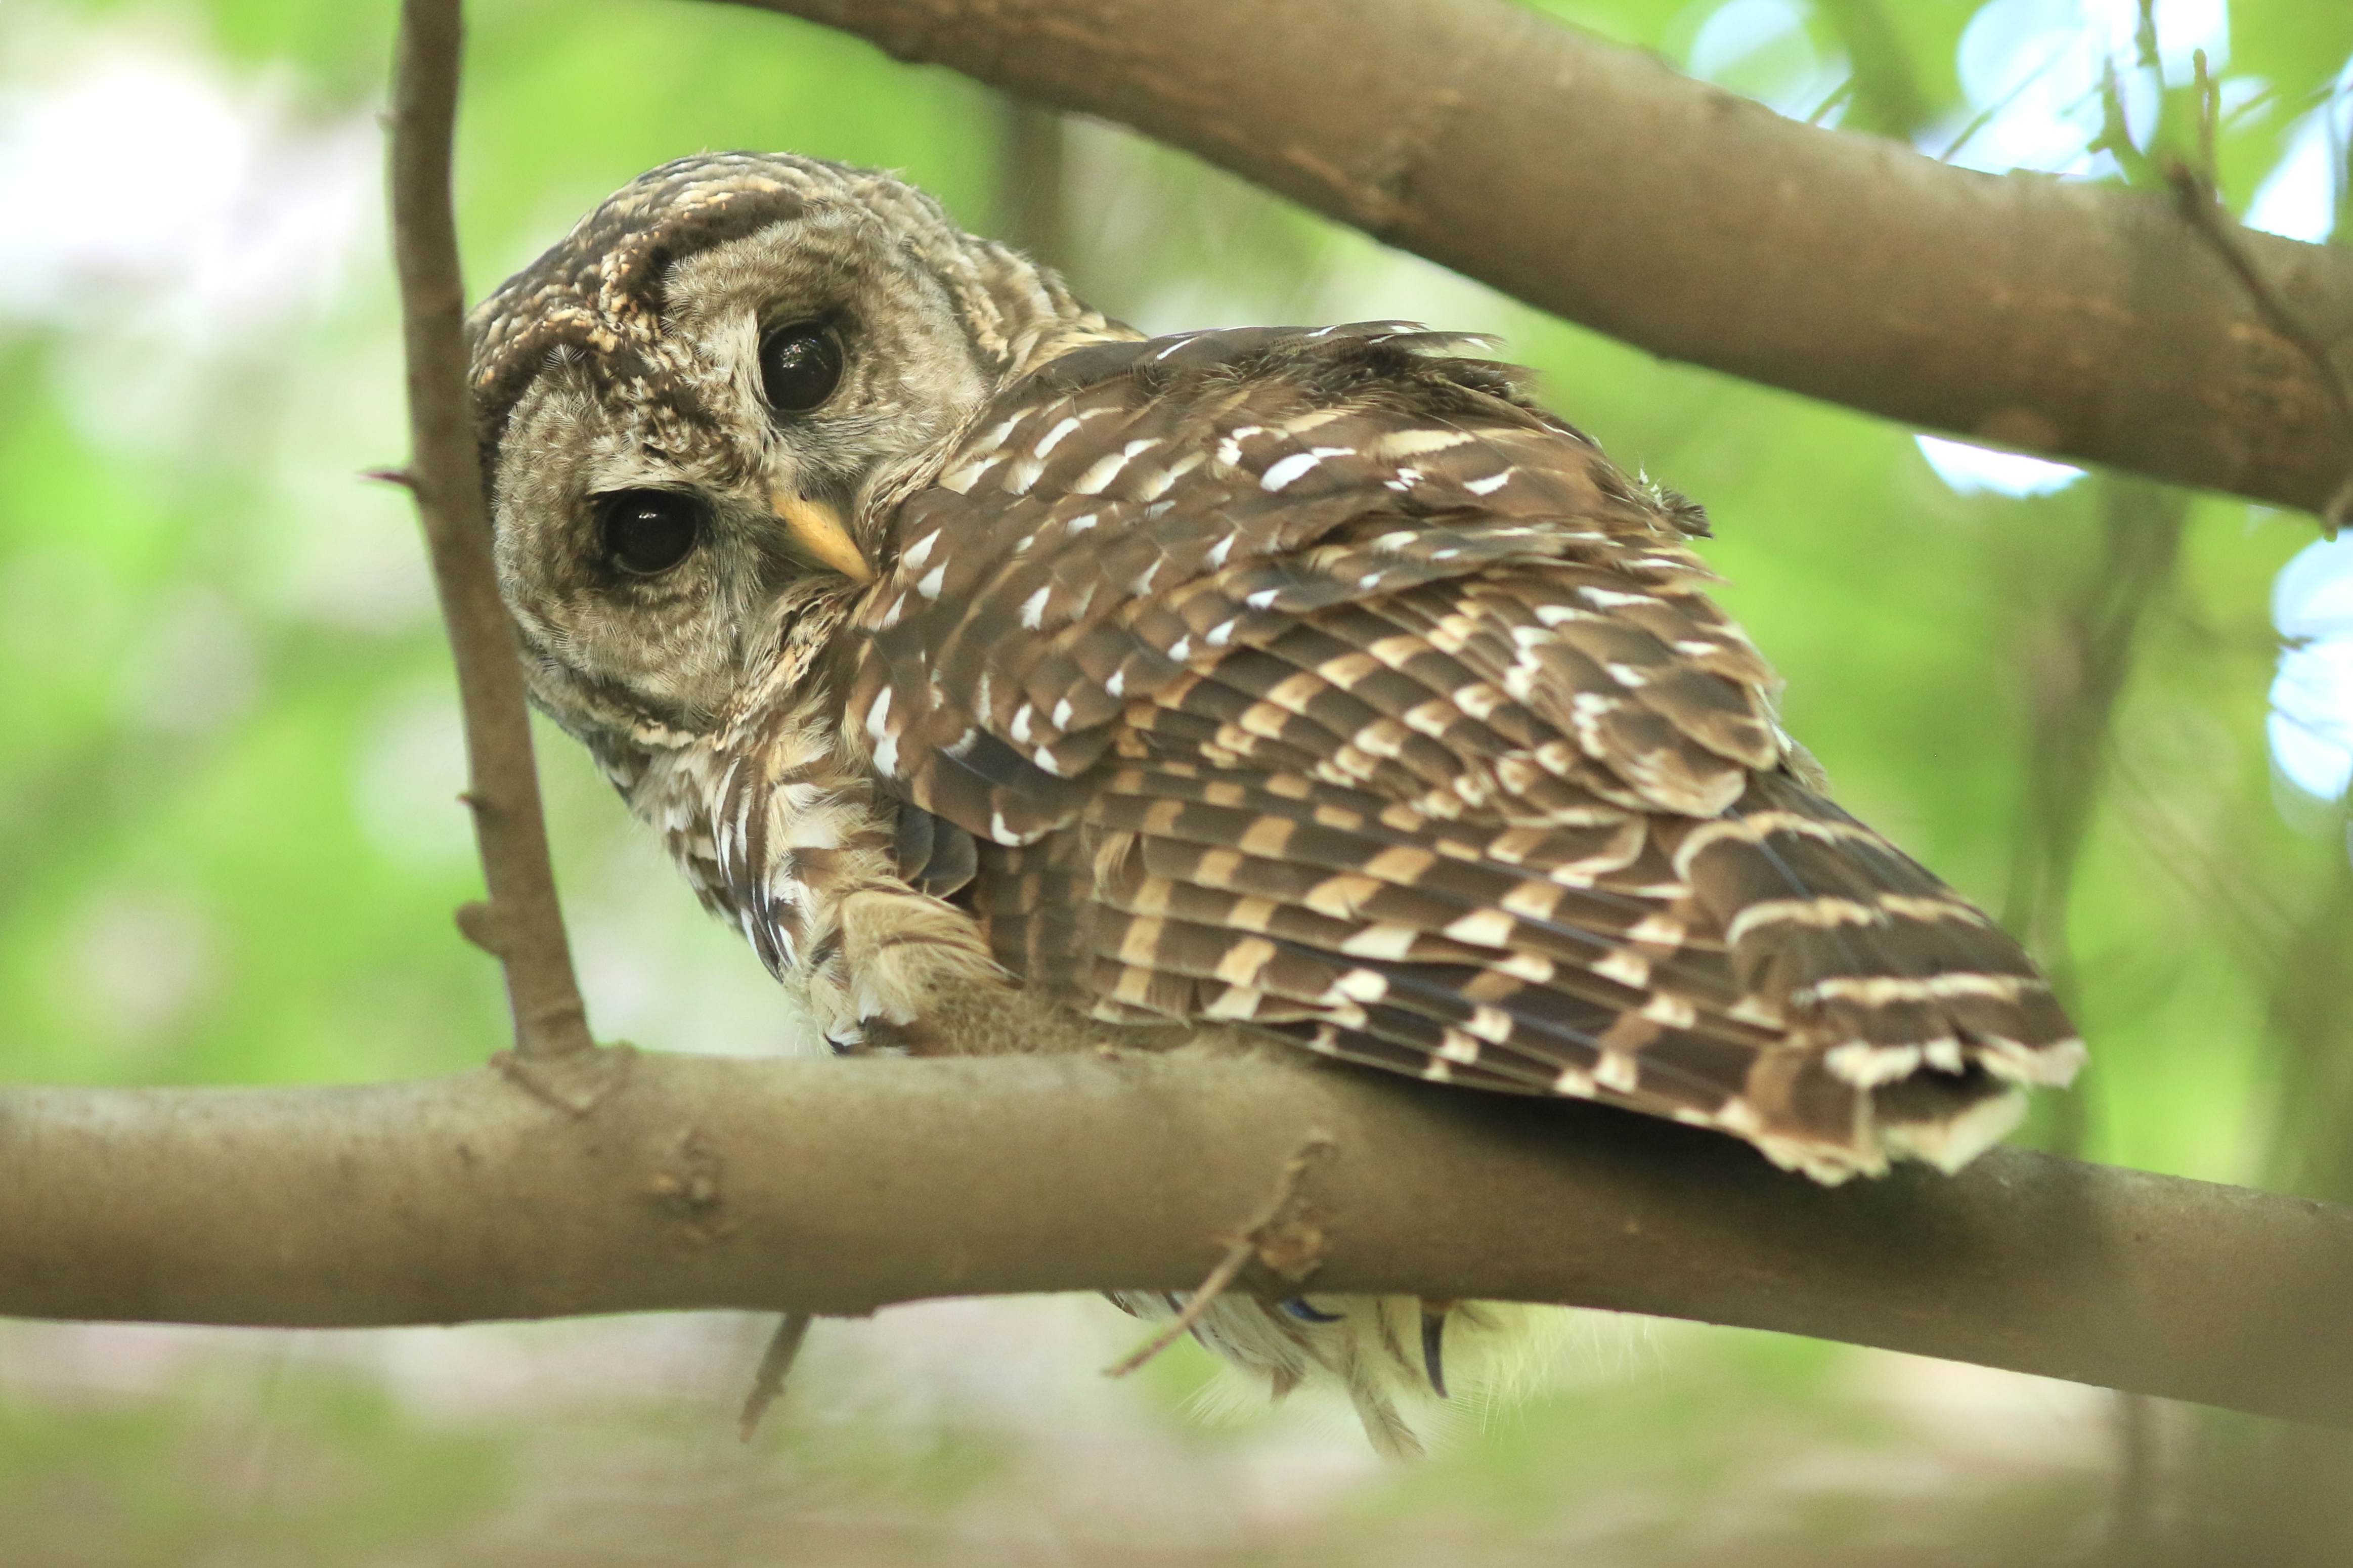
(1314, 682)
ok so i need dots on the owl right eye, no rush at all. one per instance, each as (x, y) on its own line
(647, 532)
(799, 366)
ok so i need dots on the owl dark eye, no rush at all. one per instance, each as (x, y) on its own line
(649, 531)
(799, 366)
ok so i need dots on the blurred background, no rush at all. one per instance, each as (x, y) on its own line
(2121, 716)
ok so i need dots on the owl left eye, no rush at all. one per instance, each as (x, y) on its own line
(647, 532)
(799, 366)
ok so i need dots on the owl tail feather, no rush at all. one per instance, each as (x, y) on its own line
(1433, 1344)
(1386, 1354)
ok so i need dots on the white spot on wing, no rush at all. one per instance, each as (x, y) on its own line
(1407, 443)
(919, 551)
(1287, 471)
(1053, 438)
(1099, 473)
(1290, 469)
(1104, 469)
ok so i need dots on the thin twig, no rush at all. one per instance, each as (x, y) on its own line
(523, 923)
(775, 1365)
(2210, 104)
(2195, 195)
(1838, 95)
(1995, 110)
(1196, 1306)
(1275, 1237)
(2089, 643)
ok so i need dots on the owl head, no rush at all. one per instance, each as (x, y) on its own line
(694, 411)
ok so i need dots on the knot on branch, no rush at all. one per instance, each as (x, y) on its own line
(1289, 1239)
(485, 925)
(689, 1187)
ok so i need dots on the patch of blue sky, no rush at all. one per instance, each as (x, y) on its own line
(1763, 49)
(1982, 470)
(2311, 722)
(2032, 71)
(2299, 197)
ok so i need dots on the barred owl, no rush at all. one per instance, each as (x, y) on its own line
(1317, 685)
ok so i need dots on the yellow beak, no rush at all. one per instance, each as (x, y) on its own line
(818, 529)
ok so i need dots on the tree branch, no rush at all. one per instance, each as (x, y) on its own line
(838, 1188)
(2084, 322)
(521, 924)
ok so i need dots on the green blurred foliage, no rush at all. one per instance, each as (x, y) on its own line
(229, 843)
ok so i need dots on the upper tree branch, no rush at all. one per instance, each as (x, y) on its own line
(1590, 180)
(838, 1187)
(521, 924)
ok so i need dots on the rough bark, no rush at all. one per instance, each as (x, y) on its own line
(837, 1187)
(2086, 322)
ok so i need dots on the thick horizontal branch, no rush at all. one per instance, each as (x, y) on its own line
(838, 1187)
(1590, 180)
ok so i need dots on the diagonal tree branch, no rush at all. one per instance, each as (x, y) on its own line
(838, 1188)
(521, 924)
(2084, 322)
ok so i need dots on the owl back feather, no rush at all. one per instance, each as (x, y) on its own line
(1316, 681)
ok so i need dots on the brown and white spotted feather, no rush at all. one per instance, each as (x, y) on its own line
(1311, 681)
